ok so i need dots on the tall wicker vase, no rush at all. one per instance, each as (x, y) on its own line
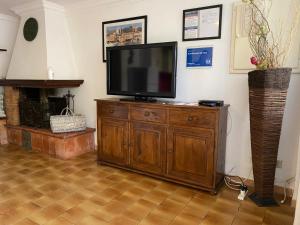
(267, 98)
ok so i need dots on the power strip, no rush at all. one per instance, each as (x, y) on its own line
(243, 193)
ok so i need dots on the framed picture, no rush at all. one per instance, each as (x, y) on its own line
(130, 31)
(202, 23)
(199, 57)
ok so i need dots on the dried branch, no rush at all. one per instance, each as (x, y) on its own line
(269, 52)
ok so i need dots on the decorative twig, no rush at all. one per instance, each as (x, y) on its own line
(269, 52)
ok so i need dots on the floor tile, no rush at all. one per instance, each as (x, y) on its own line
(36, 189)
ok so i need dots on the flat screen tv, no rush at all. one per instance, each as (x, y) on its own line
(142, 71)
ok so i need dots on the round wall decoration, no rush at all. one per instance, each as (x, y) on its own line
(30, 29)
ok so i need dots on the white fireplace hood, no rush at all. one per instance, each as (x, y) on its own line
(51, 49)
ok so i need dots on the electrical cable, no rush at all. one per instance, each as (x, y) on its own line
(241, 180)
(236, 183)
(284, 194)
(288, 181)
(229, 185)
(232, 182)
(249, 174)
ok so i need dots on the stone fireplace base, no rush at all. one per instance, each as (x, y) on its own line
(63, 146)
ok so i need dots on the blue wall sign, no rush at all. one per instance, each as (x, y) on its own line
(199, 57)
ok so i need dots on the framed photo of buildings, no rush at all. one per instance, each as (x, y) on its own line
(202, 23)
(129, 31)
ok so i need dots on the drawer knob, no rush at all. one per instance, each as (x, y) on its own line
(147, 113)
(111, 111)
(190, 118)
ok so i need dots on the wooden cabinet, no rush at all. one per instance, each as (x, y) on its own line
(193, 118)
(149, 114)
(114, 110)
(147, 147)
(179, 143)
(191, 155)
(113, 141)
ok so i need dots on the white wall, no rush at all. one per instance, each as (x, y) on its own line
(165, 24)
(29, 59)
(9, 28)
(50, 49)
(60, 56)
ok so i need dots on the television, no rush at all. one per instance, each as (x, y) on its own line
(144, 71)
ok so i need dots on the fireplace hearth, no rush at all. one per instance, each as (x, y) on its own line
(29, 105)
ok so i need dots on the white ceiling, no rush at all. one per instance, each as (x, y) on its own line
(7, 4)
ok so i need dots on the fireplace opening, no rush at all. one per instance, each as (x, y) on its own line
(36, 105)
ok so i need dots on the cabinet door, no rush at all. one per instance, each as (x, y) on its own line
(147, 147)
(190, 155)
(113, 141)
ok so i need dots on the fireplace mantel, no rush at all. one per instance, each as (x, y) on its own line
(41, 83)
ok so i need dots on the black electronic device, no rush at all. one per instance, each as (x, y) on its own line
(143, 71)
(211, 103)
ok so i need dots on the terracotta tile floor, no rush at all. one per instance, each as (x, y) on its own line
(36, 189)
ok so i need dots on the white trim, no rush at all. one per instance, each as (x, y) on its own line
(297, 213)
(37, 5)
(94, 3)
(9, 18)
(297, 178)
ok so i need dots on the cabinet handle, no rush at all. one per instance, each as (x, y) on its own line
(147, 113)
(190, 118)
(170, 151)
(111, 111)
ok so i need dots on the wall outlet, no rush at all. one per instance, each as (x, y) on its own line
(279, 164)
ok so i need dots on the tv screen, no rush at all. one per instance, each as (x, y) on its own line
(142, 70)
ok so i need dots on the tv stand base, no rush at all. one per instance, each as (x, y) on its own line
(139, 99)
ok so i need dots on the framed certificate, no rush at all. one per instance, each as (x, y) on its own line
(199, 57)
(202, 23)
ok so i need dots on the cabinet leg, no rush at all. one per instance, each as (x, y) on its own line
(213, 192)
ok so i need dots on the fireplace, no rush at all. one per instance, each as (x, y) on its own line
(29, 105)
(32, 102)
(36, 105)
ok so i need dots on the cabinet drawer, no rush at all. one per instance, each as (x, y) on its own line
(193, 117)
(114, 110)
(148, 114)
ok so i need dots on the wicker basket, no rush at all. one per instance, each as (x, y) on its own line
(69, 122)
